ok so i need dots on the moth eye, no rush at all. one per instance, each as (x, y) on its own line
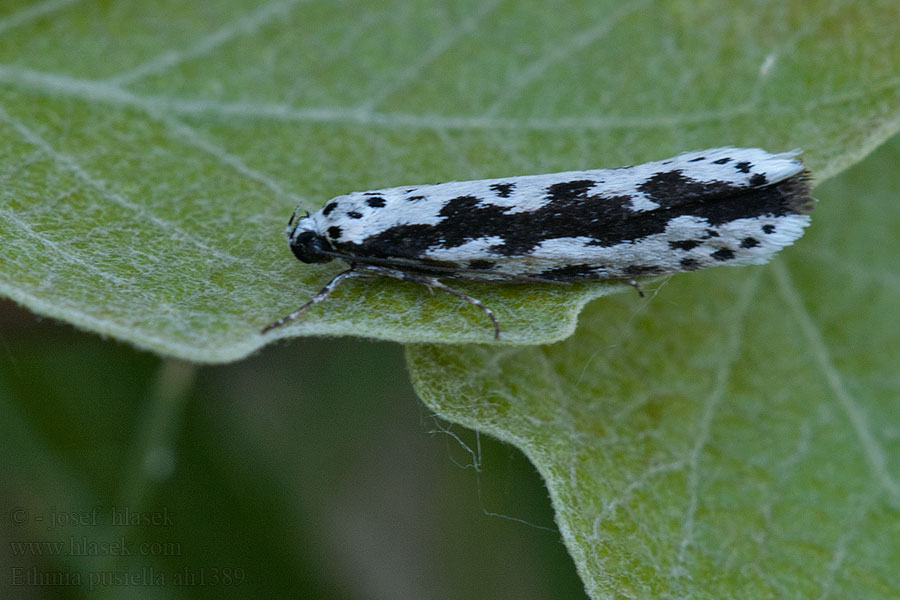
(308, 248)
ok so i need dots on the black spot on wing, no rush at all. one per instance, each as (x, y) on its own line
(698, 159)
(743, 166)
(768, 228)
(758, 180)
(376, 201)
(503, 189)
(723, 254)
(721, 161)
(721, 202)
(674, 188)
(334, 232)
(684, 244)
(712, 233)
(749, 242)
(329, 208)
(481, 265)
(415, 198)
(569, 190)
(354, 215)
(570, 273)
(637, 270)
(690, 264)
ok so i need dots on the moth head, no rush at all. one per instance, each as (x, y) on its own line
(306, 243)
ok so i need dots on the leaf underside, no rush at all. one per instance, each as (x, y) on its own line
(737, 436)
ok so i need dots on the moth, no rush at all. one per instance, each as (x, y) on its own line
(722, 206)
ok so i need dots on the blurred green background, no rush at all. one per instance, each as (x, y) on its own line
(311, 470)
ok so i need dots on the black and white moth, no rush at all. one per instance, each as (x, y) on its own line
(723, 206)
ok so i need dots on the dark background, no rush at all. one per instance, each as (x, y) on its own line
(308, 470)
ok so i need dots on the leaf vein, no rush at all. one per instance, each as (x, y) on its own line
(103, 92)
(437, 49)
(245, 25)
(577, 42)
(873, 452)
(727, 358)
(33, 12)
(69, 164)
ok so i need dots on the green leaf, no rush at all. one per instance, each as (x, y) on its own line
(738, 435)
(152, 152)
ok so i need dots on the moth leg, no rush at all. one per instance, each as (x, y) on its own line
(322, 295)
(473, 301)
(434, 282)
(633, 283)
